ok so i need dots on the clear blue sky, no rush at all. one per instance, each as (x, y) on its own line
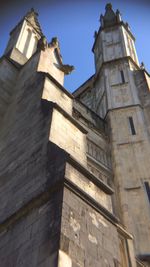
(74, 23)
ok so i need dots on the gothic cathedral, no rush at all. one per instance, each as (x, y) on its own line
(74, 168)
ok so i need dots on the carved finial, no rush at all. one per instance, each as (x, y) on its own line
(42, 44)
(95, 34)
(108, 6)
(32, 12)
(142, 66)
(54, 42)
(102, 20)
(111, 17)
(128, 27)
(118, 15)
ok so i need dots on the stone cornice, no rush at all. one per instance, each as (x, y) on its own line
(119, 108)
(81, 90)
(115, 61)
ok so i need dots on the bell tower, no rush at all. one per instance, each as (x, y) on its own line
(24, 38)
(114, 39)
(115, 60)
(113, 84)
(114, 93)
(117, 100)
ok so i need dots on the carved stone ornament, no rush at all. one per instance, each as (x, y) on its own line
(67, 69)
(32, 12)
(95, 34)
(42, 43)
(142, 66)
(54, 42)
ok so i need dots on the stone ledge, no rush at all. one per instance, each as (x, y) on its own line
(122, 108)
(124, 232)
(90, 201)
(131, 142)
(46, 74)
(48, 105)
(119, 84)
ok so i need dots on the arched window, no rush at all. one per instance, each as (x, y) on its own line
(26, 45)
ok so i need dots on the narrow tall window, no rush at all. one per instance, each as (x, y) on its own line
(122, 76)
(147, 187)
(26, 45)
(132, 126)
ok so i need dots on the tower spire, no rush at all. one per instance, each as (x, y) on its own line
(110, 17)
(114, 39)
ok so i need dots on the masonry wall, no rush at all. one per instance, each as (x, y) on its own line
(87, 238)
(130, 154)
(8, 74)
(34, 239)
(52, 92)
(43, 148)
(31, 184)
(142, 81)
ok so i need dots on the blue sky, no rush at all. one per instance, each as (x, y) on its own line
(74, 23)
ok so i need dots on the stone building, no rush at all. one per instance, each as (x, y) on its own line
(74, 168)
